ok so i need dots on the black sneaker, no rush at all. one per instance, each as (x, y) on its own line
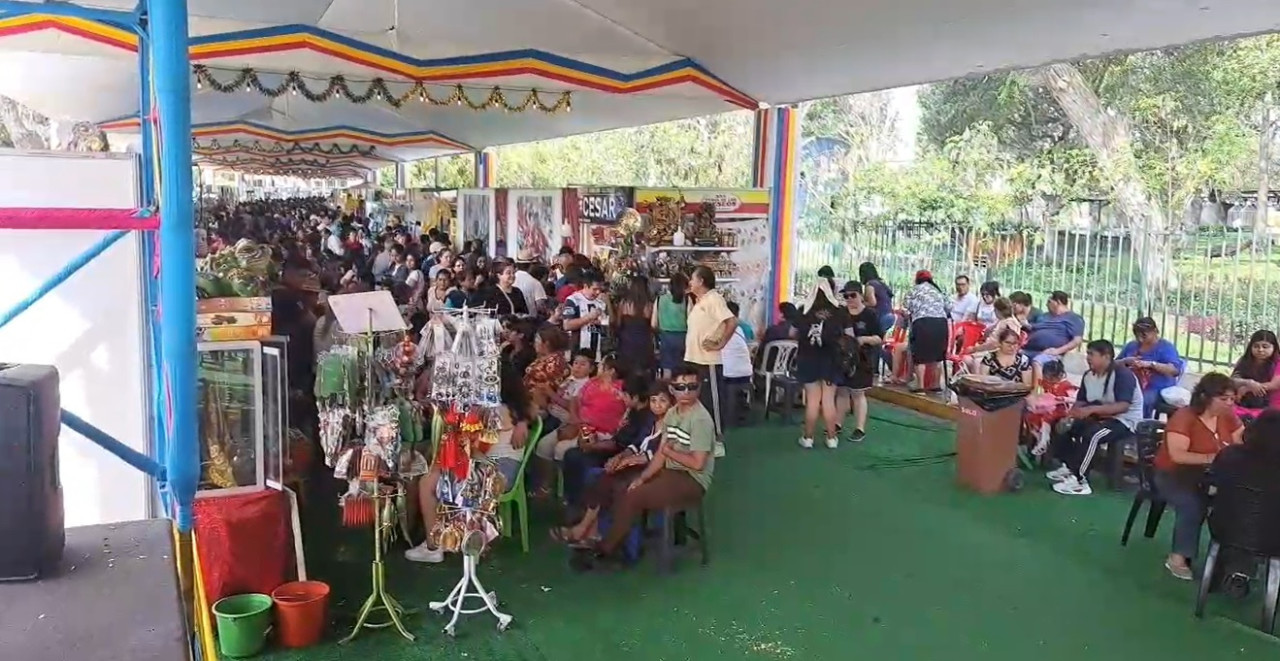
(858, 436)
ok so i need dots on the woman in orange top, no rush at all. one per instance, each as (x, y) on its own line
(1194, 436)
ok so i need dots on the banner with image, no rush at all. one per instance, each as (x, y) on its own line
(534, 218)
(477, 216)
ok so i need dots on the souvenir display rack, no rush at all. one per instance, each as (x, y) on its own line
(679, 242)
(466, 393)
(369, 431)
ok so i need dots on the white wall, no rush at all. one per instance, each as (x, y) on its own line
(90, 327)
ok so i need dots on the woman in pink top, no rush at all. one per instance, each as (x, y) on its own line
(602, 404)
(1257, 376)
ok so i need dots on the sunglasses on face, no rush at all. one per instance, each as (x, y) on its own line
(684, 387)
(850, 295)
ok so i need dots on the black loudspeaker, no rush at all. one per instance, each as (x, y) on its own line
(32, 536)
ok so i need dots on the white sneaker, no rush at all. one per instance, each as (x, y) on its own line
(719, 453)
(1072, 486)
(1059, 474)
(424, 553)
(833, 443)
(806, 442)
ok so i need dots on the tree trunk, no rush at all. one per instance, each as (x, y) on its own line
(27, 129)
(1108, 136)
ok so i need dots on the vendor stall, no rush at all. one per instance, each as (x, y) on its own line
(726, 230)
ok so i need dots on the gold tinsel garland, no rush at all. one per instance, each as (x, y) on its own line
(378, 89)
(281, 149)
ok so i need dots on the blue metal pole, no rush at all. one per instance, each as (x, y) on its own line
(152, 298)
(61, 276)
(171, 76)
(105, 441)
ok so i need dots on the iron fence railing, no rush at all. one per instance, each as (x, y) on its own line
(1208, 288)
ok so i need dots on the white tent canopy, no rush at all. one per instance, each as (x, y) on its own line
(624, 62)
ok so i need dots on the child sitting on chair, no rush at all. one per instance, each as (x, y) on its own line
(1047, 407)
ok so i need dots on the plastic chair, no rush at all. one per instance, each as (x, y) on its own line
(516, 494)
(676, 530)
(777, 360)
(1150, 434)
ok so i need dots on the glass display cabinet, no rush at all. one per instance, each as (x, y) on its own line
(242, 392)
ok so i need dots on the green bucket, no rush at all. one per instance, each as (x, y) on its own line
(244, 620)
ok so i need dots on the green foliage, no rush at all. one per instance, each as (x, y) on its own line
(712, 151)
(1194, 113)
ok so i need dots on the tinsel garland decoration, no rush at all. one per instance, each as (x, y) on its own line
(300, 163)
(377, 89)
(281, 149)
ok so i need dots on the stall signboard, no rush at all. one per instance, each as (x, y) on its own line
(730, 202)
(602, 205)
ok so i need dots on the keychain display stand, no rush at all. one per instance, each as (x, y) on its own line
(469, 587)
(369, 429)
(466, 392)
(379, 599)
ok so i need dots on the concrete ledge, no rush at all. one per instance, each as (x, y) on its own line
(920, 403)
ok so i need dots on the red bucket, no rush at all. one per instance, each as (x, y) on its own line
(301, 612)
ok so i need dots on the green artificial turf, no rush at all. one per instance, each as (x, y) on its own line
(865, 552)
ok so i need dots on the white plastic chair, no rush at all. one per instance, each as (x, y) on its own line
(777, 360)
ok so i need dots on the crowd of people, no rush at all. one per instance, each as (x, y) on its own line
(627, 391)
(631, 389)
(1219, 438)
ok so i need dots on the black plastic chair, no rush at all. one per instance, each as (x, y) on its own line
(1269, 599)
(1242, 523)
(676, 531)
(1149, 433)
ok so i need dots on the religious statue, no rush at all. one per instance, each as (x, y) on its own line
(664, 220)
(705, 233)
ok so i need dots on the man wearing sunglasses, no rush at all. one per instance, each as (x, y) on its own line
(678, 475)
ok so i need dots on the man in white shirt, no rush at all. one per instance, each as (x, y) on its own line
(965, 305)
(527, 284)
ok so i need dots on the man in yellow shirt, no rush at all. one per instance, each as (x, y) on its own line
(711, 325)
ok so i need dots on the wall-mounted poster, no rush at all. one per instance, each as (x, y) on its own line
(477, 217)
(533, 222)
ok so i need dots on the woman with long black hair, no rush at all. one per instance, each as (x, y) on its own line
(1257, 376)
(631, 319)
(877, 295)
(670, 319)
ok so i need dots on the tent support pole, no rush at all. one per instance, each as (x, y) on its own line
(776, 166)
(171, 77)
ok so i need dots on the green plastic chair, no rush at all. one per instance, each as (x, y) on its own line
(516, 495)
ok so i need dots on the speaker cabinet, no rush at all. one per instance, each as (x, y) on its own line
(32, 536)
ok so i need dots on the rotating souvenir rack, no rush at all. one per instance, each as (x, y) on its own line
(369, 430)
(466, 391)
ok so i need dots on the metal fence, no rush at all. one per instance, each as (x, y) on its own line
(1209, 289)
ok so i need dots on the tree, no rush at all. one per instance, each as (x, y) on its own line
(1108, 135)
